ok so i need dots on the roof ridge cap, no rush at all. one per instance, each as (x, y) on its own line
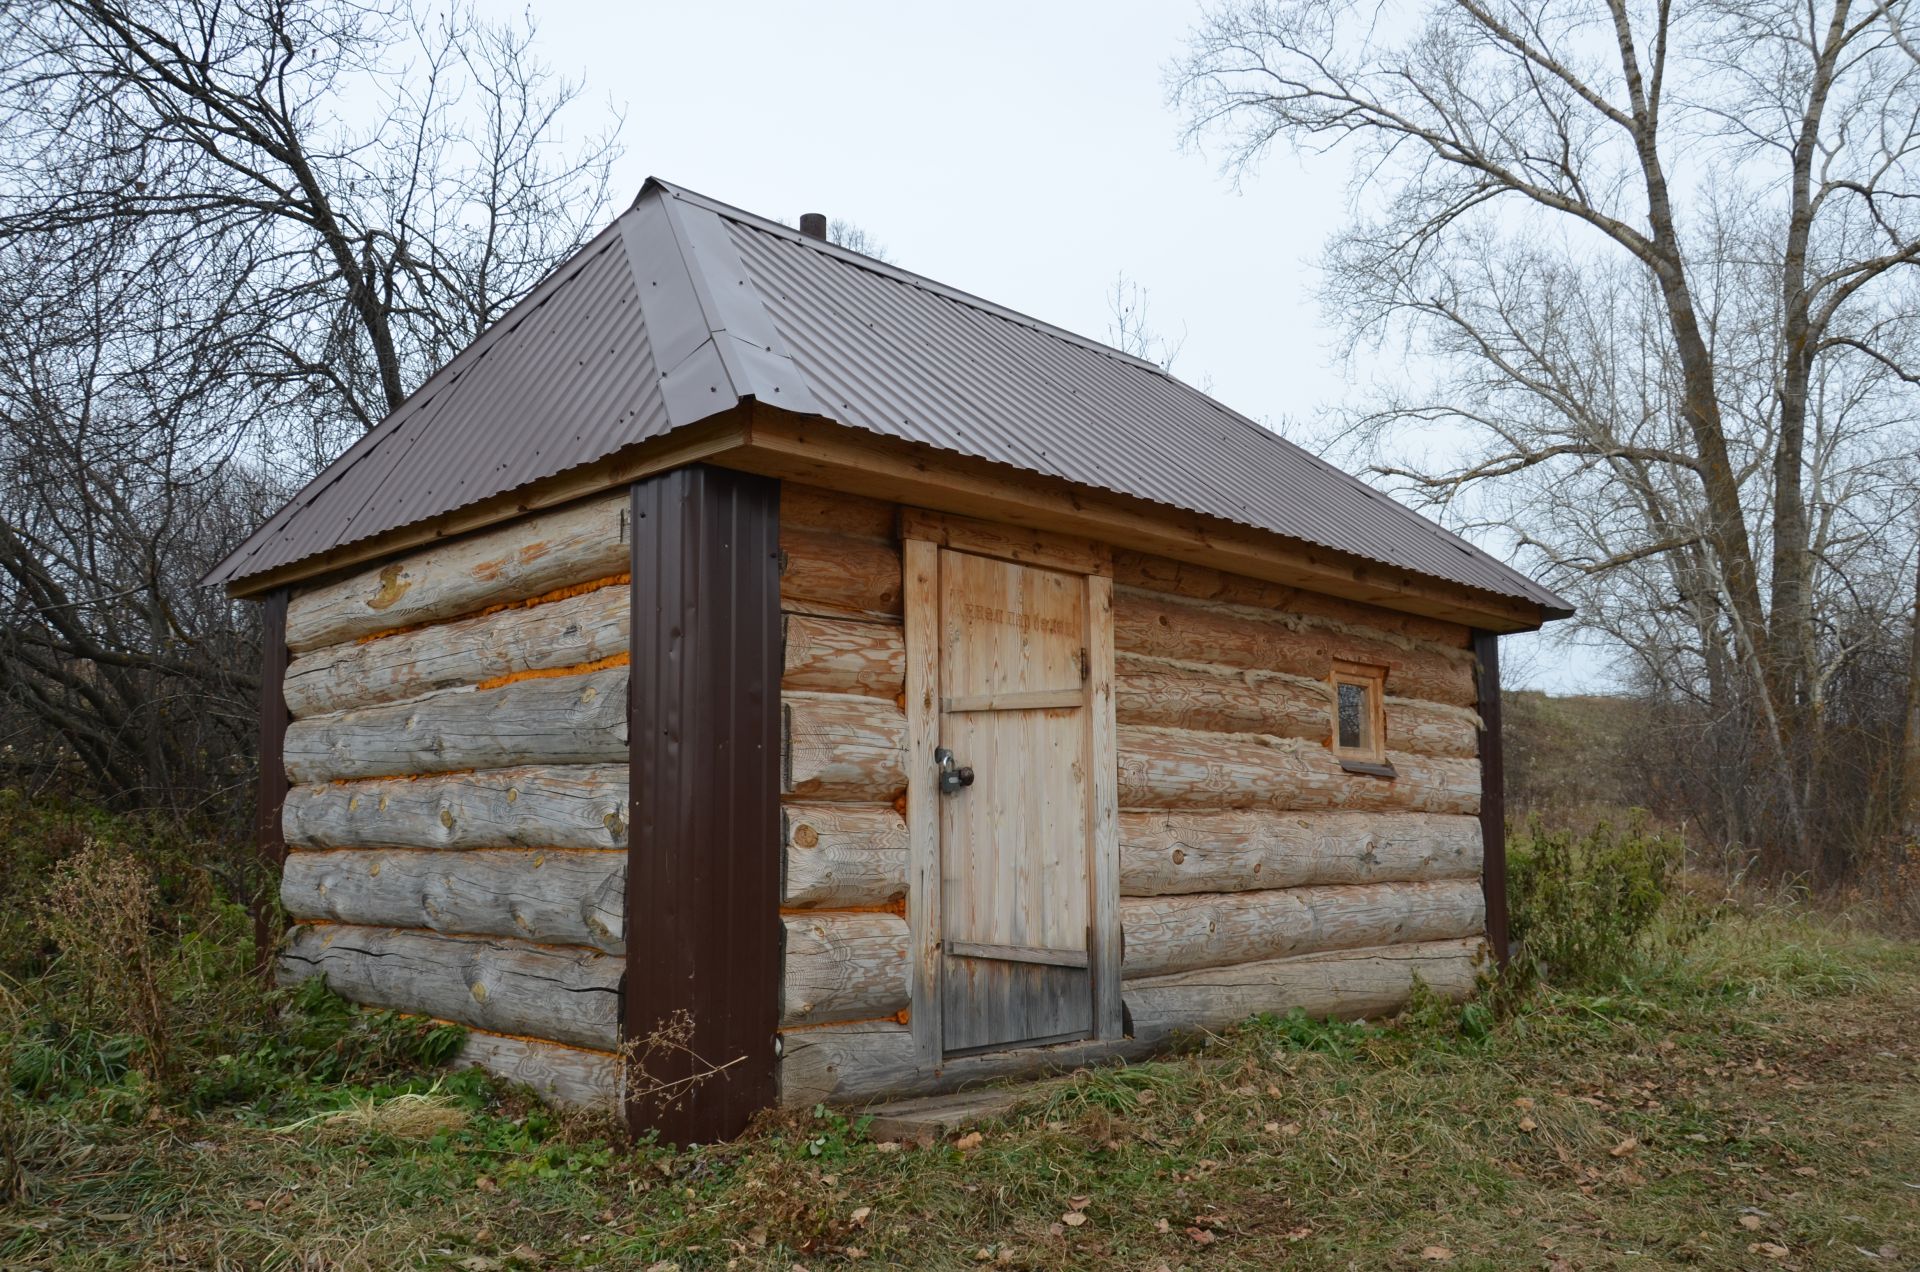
(894, 272)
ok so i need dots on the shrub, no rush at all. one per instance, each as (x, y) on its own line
(1582, 905)
(98, 916)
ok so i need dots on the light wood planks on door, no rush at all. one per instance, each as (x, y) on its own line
(1015, 858)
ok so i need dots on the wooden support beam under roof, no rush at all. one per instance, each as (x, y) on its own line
(776, 443)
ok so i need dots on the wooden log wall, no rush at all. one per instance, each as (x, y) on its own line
(458, 826)
(843, 771)
(1255, 872)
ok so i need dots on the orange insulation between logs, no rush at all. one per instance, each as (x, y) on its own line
(546, 673)
(901, 1017)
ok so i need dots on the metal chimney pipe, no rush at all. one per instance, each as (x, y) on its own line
(814, 225)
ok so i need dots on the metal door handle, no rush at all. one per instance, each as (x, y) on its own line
(952, 778)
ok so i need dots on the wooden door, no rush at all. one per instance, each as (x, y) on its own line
(1014, 845)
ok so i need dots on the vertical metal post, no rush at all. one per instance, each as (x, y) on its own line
(269, 835)
(703, 854)
(1493, 791)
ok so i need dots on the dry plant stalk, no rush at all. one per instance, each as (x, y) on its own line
(98, 914)
(647, 1061)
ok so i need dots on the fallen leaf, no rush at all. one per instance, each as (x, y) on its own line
(1528, 1125)
(983, 1255)
(1437, 1254)
(1624, 1148)
(1200, 1236)
(968, 1142)
(1524, 1104)
(478, 1263)
(887, 1146)
(1805, 1172)
(859, 1216)
(525, 1254)
(254, 1203)
(485, 1184)
(1078, 1203)
(1148, 1097)
(1073, 1218)
(1271, 1128)
(1161, 1225)
(1772, 1249)
(1750, 1222)
(854, 1252)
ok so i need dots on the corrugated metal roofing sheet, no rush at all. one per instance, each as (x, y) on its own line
(733, 306)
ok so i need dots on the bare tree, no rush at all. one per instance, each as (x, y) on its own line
(232, 236)
(846, 234)
(1659, 261)
(1129, 328)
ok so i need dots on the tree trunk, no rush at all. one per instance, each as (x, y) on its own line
(1910, 736)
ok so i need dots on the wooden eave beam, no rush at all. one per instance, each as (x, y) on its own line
(819, 452)
(776, 443)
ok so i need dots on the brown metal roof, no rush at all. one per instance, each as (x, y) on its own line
(685, 307)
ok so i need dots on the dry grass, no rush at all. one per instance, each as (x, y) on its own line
(1746, 1099)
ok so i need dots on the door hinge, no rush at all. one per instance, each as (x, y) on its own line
(1086, 667)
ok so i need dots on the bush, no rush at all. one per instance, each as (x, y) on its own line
(1582, 905)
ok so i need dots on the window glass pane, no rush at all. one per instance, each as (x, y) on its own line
(1353, 716)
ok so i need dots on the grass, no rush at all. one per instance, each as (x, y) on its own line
(1747, 1095)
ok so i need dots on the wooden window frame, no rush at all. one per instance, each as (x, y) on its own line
(1371, 679)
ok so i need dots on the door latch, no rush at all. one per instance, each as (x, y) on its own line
(951, 777)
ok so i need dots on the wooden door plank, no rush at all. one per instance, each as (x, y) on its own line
(1014, 845)
(1026, 700)
(921, 572)
(1103, 815)
(1018, 953)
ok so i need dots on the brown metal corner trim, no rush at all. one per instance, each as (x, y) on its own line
(1493, 792)
(700, 1004)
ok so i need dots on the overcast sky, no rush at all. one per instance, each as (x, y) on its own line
(1023, 152)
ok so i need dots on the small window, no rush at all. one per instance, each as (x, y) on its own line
(1359, 714)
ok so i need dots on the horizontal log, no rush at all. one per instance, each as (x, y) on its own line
(1180, 768)
(563, 995)
(1373, 982)
(830, 655)
(1217, 929)
(564, 633)
(523, 558)
(840, 855)
(547, 895)
(844, 749)
(1240, 636)
(1204, 583)
(571, 1077)
(1167, 853)
(843, 966)
(853, 1062)
(838, 575)
(536, 806)
(578, 719)
(861, 1061)
(804, 507)
(1168, 693)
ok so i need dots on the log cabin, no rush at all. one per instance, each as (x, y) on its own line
(824, 685)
